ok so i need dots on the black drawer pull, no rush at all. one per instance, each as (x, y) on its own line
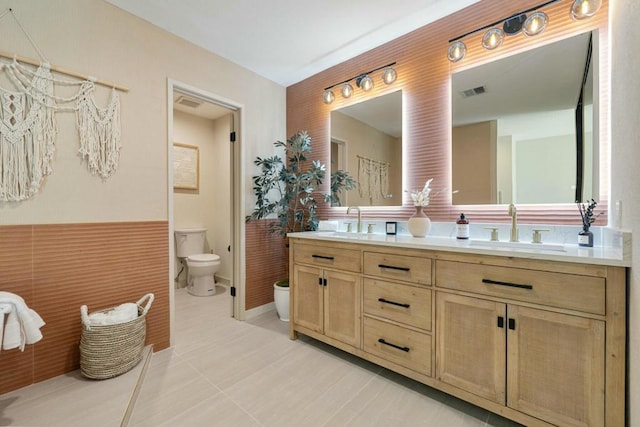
(386, 301)
(382, 341)
(511, 285)
(392, 267)
(330, 258)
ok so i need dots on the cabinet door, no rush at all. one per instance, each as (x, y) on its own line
(556, 366)
(307, 297)
(471, 345)
(342, 295)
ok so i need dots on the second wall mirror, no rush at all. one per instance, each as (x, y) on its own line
(522, 132)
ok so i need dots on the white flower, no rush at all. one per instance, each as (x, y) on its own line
(421, 197)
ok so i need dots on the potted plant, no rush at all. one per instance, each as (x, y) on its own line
(287, 190)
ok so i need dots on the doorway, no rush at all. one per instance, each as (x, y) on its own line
(218, 195)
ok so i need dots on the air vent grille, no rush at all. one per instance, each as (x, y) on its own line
(188, 102)
(473, 92)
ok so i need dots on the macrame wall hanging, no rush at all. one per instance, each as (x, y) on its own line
(28, 128)
(373, 179)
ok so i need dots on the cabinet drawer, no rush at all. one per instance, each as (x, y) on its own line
(405, 347)
(410, 305)
(570, 291)
(328, 257)
(398, 267)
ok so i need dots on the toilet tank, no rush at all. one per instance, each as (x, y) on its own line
(189, 241)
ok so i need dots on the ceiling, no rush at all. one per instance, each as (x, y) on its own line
(287, 41)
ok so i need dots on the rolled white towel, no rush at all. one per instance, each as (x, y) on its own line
(12, 334)
(120, 314)
(23, 323)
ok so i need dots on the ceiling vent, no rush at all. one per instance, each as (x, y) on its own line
(188, 102)
(473, 92)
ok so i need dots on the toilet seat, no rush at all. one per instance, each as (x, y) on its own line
(203, 258)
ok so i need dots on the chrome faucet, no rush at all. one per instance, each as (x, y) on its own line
(359, 217)
(514, 223)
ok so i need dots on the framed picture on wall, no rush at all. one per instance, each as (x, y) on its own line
(186, 166)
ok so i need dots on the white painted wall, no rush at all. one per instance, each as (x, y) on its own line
(625, 160)
(98, 39)
(209, 206)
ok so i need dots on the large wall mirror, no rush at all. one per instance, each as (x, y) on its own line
(366, 141)
(525, 127)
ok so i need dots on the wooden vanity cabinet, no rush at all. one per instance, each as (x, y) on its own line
(540, 342)
(397, 308)
(516, 337)
(545, 364)
(326, 300)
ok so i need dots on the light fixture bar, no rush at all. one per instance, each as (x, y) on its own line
(493, 24)
(362, 74)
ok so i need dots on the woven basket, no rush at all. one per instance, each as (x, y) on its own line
(107, 351)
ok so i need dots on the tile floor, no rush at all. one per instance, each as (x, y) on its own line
(222, 372)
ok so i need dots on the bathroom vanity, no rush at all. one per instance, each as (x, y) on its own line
(535, 335)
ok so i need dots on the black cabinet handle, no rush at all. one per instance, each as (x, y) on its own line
(330, 258)
(320, 281)
(500, 322)
(393, 267)
(512, 324)
(386, 301)
(511, 285)
(382, 341)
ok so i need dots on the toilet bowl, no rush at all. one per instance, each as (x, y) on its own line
(201, 270)
(200, 267)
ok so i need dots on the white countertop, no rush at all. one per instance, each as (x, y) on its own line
(550, 252)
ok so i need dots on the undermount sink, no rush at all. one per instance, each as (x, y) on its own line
(517, 245)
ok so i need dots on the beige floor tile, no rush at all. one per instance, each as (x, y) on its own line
(223, 372)
(153, 408)
(215, 411)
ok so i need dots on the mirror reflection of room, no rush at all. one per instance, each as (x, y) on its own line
(366, 141)
(524, 126)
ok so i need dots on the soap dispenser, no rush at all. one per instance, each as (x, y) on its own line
(462, 227)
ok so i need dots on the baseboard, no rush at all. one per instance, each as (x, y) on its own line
(250, 314)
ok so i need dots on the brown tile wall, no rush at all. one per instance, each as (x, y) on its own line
(58, 267)
(424, 76)
(266, 262)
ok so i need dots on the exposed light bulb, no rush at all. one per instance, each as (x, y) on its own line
(535, 24)
(583, 9)
(493, 38)
(389, 75)
(328, 96)
(366, 83)
(346, 90)
(456, 51)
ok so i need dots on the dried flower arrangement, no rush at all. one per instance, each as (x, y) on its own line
(421, 197)
(587, 213)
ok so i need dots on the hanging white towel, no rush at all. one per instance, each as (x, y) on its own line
(23, 323)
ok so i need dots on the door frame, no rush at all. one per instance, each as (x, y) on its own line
(237, 197)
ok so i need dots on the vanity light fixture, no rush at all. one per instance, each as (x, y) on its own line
(457, 50)
(363, 81)
(583, 9)
(493, 38)
(389, 75)
(531, 25)
(346, 90)
(535, 24)
(328, 96)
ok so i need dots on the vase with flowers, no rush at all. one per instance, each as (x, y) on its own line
(419, 224)
(585, 236)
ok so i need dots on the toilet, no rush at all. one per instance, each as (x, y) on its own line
(201, 267)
